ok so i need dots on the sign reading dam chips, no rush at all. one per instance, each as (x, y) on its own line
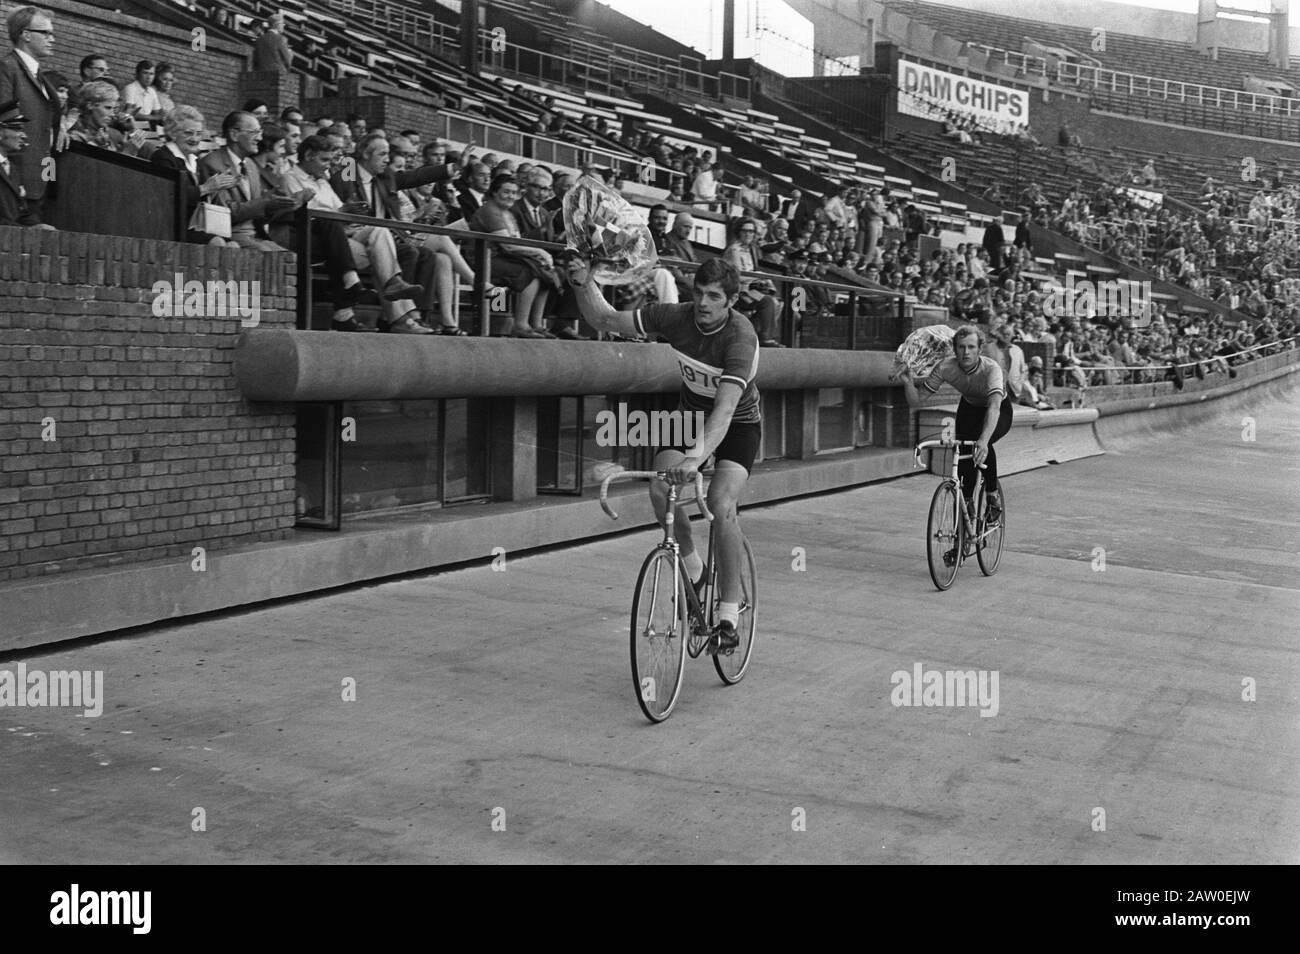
(932, 94)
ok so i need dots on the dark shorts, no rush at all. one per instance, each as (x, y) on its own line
(740, 445)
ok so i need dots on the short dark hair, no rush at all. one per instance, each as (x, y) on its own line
(351, 118)
(658, 207)
(143, 65)
(287, 112)
(90, 58)
(271, 134)
(408, 133)
(498, 183)
(162, 68)
(313, 144)
(254, 104)
(719, 271)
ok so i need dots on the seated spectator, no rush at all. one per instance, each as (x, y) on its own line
(676, 243)
(528, 272)
(14, 207)
(163, 81)
(755, 301)
(475, 182)
(139, 98)
(751, 200)
(249, 207)
(347, 249)
(98, 102)
(62, 88)
(184, 128)
(258, 108)
(93, 66)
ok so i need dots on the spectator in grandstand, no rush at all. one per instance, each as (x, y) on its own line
(528, 272)
(833, 208)
(184, 128)
(291, 115)
(14, 207)
(1148, 177)
(914, 223)
(347, 249)
(356, 123)
(751, 199)
(871, 224)
(271, 51)
(163, 81)
(22, 78)
(757, 298)
(258, 108)
(248, 206)
(476, 182)
(676, 243)
(418, 203)
(139, 98)
(993, 242)
(99, 103)
(292, 139)
(93, 66)
(270, 159)
(434, 153)
(705, 184)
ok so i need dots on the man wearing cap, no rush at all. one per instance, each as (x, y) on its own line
(32, 33)
(14, 207)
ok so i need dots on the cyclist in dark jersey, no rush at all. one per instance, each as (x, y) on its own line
(716, 349)
(984, 412)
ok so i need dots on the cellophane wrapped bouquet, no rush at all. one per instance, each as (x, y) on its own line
(601, 227)
(922, 351)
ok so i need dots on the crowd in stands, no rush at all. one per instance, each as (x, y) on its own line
(246, 188)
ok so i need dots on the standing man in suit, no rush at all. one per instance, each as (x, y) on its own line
(31, 31)
(14, 208)
(249, 207)
(271, 51)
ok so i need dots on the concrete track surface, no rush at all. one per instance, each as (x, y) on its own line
(1120, 689)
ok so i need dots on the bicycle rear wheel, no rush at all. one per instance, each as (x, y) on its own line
(659, 629)
(943, 535)
(988, 548)
(731, 668)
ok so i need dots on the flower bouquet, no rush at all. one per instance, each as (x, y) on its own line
(601, 227)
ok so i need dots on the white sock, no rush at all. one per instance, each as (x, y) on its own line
(730, 612)
(694, 565)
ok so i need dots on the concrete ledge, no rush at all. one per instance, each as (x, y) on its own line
(280, 365)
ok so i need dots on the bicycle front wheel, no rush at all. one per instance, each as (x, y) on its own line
(731, 668)
(989, 546)
(943, 535)
(659, 631)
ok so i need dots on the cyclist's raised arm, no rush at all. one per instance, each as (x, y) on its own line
(595, 310)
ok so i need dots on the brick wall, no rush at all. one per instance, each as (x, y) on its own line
(155, 450)
(206, 80)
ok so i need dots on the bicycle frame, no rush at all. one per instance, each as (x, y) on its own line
(669, 541)
(955, 477)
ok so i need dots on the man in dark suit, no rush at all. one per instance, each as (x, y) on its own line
(478, 177)
(32, 33)
(271, 51)
(249, 207)
(14, 208)
(377, 186)
(993, 241)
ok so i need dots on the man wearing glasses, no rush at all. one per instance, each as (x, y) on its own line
(31, 31)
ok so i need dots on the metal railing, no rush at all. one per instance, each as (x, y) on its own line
(860, 318)
(1136, 84)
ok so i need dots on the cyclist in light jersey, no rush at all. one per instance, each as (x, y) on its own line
(984, 412)
(716, 349)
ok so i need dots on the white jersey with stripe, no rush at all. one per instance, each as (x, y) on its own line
(705, 361)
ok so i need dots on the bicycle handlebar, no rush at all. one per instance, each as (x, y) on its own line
(926, 445)
(650, 475)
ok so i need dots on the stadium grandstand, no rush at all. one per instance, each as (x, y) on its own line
(263, 304)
